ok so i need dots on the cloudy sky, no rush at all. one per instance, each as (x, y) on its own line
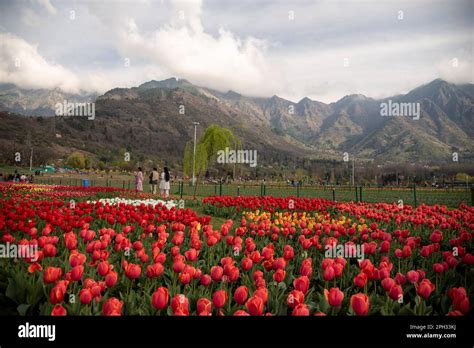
(320, 49)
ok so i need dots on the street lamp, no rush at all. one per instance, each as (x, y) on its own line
(194, 152)
(353, 171)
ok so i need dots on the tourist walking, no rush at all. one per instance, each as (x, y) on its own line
(165, 183)
(139, 180)
(154, 176)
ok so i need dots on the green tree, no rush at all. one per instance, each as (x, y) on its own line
(76, 160)
(214, 139)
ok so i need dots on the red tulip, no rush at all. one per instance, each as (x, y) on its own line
(111, 278)
(51, 274)
(216, 273)
(77, 272)
(295, 298)
(279, 275)
(133, 271)
(58, 310)
(219, 298)
(329, 273)
(413, 276)
(262, 293)
(436, 237)
(388, 283)
(360, 304)
(240, 313)
(400, 278)
(191, 254)
(395, 292)
(246, 264)
(185, 278)
(425, 288)
(180, 305)
(204, 306)
(103, 268)
(85, 296)
(112, 307)
(300, 310)
(241, 294)
(255, 305)
(160, 298)
(334, 296)
(57, 293)
(206, 280)
(360, 280)
(438, 268)
(301, 283)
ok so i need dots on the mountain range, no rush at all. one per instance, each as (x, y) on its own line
(156, 119)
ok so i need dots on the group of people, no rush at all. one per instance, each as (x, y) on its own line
(17, 177)
(154, 177)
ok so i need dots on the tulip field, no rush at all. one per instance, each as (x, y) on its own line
(109, 251)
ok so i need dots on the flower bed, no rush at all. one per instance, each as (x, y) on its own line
(276, 257)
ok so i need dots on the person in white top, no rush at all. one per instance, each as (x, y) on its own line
(165, 183)
(154, 176)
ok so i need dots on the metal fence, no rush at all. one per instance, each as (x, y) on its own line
(413, 195)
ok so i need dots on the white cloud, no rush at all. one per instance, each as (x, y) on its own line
(46, 4)
(184, 49)
(374, 67)
(249, 47)
(21, 64)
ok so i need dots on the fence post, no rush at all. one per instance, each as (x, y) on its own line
(333, 194)
(360, 193)
(220, 189)
(238, 191)
(298, 191)
(472, 195)
(414, 195)
(264, 189)
(357, 194)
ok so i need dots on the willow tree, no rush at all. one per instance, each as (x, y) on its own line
(214, 139)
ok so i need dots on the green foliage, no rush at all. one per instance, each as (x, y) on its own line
(76, 160)
(215, 138)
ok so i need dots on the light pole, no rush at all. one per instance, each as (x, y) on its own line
(194, 152)
(31, 159)
(353, 172)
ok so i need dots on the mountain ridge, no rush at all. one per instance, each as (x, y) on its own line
(276, 127)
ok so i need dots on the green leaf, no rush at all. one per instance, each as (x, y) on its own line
(12, 291)
(406, 310)
(23, 308)
(323, 304)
